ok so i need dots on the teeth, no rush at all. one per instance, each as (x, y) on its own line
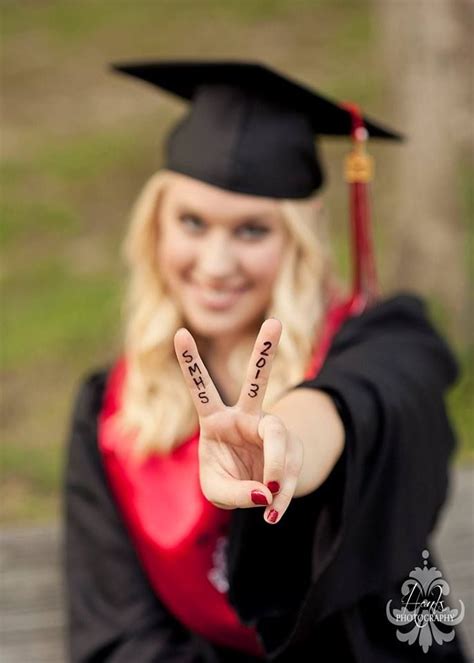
(219, 293)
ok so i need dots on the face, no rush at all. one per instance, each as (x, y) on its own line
(219, 254)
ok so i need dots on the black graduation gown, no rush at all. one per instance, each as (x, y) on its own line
(338, 555)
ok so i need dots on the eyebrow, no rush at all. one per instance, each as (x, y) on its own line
(256, 217)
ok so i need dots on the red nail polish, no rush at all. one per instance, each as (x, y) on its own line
(273, 486)
(272, 516)
(258, 497)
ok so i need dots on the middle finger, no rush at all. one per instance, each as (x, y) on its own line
(258, 371)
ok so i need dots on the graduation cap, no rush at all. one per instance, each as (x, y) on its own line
(252, 130)
(249, 128)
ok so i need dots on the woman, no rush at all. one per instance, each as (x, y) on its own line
(230, 516)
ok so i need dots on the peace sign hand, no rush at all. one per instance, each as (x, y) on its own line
(246, 458)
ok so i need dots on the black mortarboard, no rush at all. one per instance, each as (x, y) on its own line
(249, 129)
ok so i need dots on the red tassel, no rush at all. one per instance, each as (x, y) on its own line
(359, 170)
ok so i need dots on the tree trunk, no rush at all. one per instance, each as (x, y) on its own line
(427, 49)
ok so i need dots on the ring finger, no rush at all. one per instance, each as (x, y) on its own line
(281, 501)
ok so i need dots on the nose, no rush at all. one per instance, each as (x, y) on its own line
(217, 258)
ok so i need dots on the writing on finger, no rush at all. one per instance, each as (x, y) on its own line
(196, 376)
(259, 364)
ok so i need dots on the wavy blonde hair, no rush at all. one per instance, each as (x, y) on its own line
(156, 404)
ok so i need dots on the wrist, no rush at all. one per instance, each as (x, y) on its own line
(313, 417)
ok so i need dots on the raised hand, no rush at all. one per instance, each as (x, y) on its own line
(246, 458)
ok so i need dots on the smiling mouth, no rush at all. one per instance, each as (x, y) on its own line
(217, 299)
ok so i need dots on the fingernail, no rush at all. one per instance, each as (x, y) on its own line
(258, 497)
(272, 516)
(273, 486)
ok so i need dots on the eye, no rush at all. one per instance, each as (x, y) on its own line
(191, 222)
(252, 230)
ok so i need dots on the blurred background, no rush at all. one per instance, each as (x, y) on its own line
(78, 142)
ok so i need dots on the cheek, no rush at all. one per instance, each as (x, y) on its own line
(173, 255)
(263, 265)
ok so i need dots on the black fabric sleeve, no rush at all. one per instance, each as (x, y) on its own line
(366, 526)
(113, 614)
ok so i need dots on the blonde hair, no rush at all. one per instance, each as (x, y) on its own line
(156, 404)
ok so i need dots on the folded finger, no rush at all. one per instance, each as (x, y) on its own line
(226, 492)
(281, 501)
(274, 435)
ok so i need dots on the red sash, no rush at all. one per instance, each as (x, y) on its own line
(179, 536)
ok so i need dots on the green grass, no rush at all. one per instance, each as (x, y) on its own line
(22, 218)
(72, 23)
(85, 158)
(38, 466)
(462, 398)
(466, 194)
(461, 406)
(59, 314)
(69, 163)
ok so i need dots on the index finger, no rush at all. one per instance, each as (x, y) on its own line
(203, 391)
(260, 364)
